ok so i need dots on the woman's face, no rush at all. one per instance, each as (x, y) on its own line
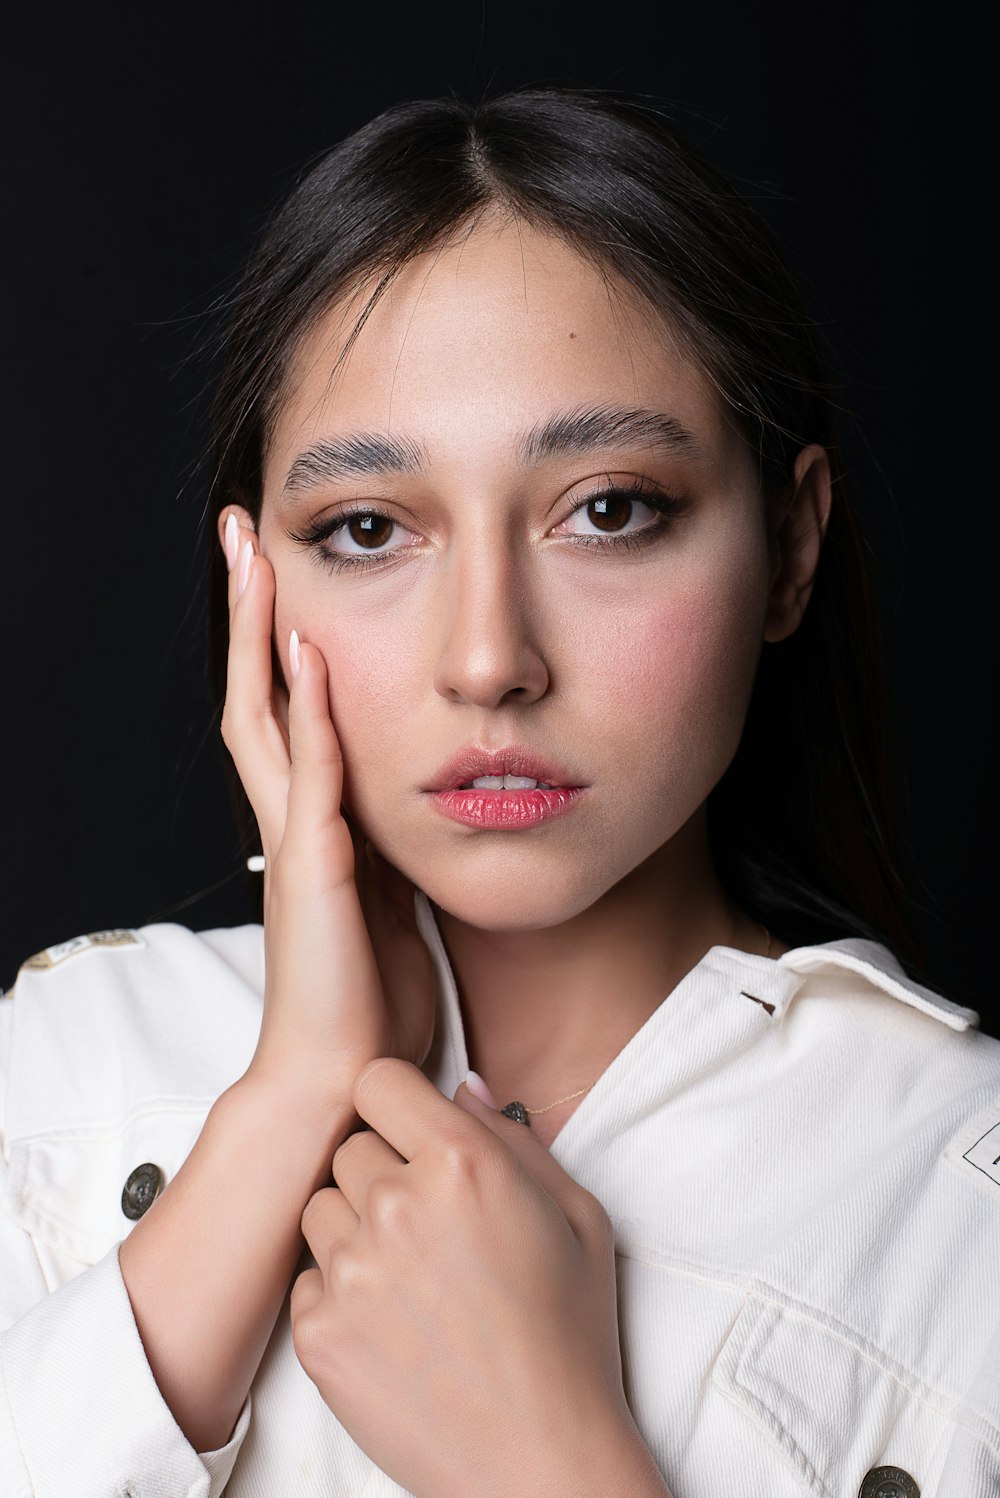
(482, 600)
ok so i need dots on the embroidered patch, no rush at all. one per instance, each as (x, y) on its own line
(52, 956)
(977, 1149)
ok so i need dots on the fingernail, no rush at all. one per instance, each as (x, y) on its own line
(479, 1089)
(232, 540)
(293, 653)
(244, 572)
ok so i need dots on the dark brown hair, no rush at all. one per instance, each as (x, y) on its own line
(801, 824)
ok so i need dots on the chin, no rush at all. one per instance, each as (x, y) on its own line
(507, 896)
(488, 917)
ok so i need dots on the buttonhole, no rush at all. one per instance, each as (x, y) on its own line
(762, 1002)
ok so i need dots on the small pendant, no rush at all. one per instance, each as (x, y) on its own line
(517, 1112)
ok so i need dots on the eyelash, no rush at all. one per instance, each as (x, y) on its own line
(667, 506)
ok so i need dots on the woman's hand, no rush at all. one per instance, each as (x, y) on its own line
(332, 1000)
(462, 1323)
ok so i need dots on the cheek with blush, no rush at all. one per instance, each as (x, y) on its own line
(677, 675)
(371, 679)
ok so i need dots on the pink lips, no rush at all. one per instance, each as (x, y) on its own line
(473, 762)
(506, 809)
(513, 809)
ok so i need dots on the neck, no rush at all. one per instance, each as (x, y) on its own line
(546, 1011)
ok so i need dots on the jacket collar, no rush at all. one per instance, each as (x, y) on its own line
(771, 981)
(79, 1063)
(877, 965)
(105, 1075)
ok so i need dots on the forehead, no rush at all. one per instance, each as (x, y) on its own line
(472, 343)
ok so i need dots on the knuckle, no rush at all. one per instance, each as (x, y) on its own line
(313, 1209)
(311, 749)
(593, 1217)
(389, 1206)
(226, 727)
(310, 1340)
(462, 1162)
(341, 1152)
(348, 1273)
(239, 719)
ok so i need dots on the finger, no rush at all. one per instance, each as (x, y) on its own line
(280, 691)
(312, 897)
(316, 777)
(405, 1108)
(531, 1151)
(328, 1220)
(409, 1112)
(250, 728)
(307, 1292)
(362, 1160)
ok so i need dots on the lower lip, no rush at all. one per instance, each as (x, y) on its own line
(513, 809)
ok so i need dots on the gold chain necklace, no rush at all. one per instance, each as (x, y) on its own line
(519, 1113)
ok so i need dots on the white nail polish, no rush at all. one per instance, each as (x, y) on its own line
(232, 540)
(479, 1089)
(244, 573)
(294, 657)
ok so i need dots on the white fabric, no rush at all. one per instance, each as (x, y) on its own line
(806, 1206)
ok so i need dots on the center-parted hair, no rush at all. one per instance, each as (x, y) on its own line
(801, 825)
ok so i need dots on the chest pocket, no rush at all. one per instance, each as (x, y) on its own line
(64, 1188)
(834, 1408)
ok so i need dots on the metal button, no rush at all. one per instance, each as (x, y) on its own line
(141, 1190)
(888, 1482)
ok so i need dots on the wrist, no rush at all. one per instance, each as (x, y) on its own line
(605, 1457)
(629, 1470)
(615, 1464)
(303, 1117)
(319, 1080)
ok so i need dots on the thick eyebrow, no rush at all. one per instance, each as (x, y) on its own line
(355, 456)
(575, 433)
(568, 434)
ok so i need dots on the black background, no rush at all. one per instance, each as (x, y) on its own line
(145, 150)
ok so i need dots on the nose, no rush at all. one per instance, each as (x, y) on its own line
(490, 655)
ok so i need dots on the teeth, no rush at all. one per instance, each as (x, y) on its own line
(506, 783)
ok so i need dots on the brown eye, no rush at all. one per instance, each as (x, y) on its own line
(609, 512)
(355, 540)
(369, 531)
(614, 509)
(623, 518)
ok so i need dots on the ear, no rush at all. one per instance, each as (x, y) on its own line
(798, 543)
(243, 518)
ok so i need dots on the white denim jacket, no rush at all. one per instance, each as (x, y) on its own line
(801, 1159)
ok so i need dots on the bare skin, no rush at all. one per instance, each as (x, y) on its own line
(514, 633)
(209, 1264)
(495, 626)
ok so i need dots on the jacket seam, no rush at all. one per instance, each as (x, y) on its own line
(5, 1395)
(956, 1410)
(750, 1404)
(169, 1107)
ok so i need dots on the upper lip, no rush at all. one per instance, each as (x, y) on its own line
(473, 761)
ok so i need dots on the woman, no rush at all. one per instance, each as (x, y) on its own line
(550, 687)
